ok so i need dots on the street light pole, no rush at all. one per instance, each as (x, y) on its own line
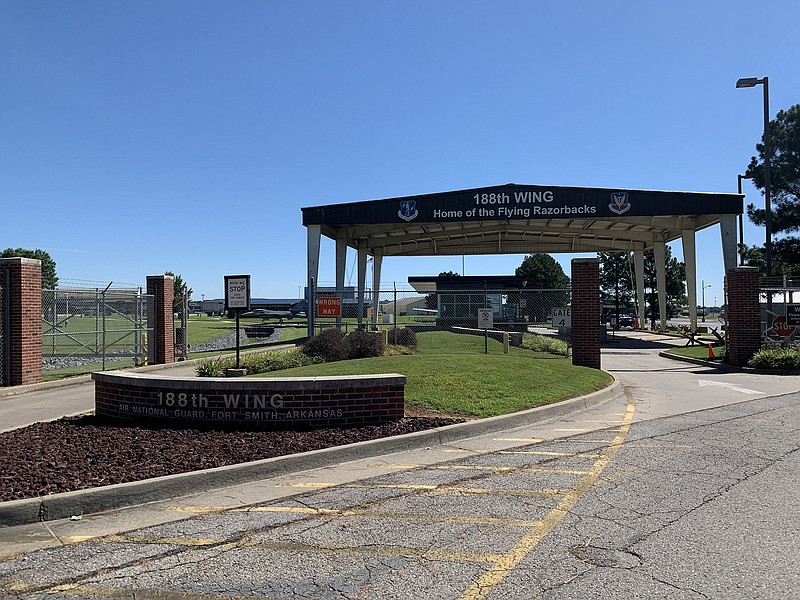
(746, 82)
(704, 286)
(741, 223)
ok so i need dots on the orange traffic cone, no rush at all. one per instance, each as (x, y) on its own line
(711, 352)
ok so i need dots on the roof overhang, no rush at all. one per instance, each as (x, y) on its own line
(520, 219)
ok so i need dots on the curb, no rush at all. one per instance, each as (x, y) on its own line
(726, 366)
(96, 500)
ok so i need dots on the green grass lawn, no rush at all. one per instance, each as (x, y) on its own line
(697, 351)
(473, 384)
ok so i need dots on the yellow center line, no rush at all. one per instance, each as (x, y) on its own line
(491, 578)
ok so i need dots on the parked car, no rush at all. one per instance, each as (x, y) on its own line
(625, 321)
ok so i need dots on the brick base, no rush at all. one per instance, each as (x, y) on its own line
(274, 403)
(586, 312)
(744, 314)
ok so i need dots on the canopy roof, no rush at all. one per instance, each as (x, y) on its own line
(520, 219)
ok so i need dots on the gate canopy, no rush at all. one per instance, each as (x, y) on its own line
(520, 219)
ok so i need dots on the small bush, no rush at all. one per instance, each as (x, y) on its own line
(543, 343)
(329, 345)
(403, 337)
(776, 358)
(214, 367)
(362, 344)
(264, 362)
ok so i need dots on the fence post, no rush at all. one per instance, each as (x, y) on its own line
(24, 277)
(163, 292)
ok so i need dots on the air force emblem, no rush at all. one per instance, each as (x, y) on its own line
(408, 210)
(619, 203)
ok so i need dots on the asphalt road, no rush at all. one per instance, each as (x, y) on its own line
(683, 486)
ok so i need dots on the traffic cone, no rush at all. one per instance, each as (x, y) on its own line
(711, 352)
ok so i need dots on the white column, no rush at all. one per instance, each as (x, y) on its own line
(314, 234)
(690, 259)
(341, 268)
(377, 262)
(362, 280)
(638, 266)
(660, 256)
(727, 228)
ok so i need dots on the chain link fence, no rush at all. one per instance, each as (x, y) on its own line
(449, 321)
(85, 330)
(780, 311)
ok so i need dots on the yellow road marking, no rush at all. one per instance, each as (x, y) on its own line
(486, 583)
(94, 591)
(498, 492)
(545, 453)
(574, 429)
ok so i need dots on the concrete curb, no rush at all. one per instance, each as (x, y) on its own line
(726, 366)
(95, 500)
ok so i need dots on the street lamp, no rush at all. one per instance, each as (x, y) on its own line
(747, 82)
(704, 286)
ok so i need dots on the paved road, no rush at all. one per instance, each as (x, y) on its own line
(674, 489)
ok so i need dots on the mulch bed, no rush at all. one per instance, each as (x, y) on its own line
(76, 453)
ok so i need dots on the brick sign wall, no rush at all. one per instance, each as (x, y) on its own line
(275, 403)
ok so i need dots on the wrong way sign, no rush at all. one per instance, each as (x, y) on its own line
(562, 317)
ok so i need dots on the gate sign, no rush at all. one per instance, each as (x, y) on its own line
(237, 292)
(793, 314)
(485, 318)
(329, 306)
(562, 317)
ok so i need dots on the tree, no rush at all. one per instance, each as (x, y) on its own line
(180, 289)
(49, 278)
(543, 272)
(784, 133)
(616, 282)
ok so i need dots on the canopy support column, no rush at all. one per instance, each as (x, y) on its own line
(690, 258)
(638, 266)
(727, 229)
(362, 280)
(313, 234)
(341, 268)
(377, 262)
(660, 256)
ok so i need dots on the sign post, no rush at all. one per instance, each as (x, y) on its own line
(485, 322)
(237, 299)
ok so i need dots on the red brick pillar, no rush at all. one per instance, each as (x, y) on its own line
(744, 314)
(22, 280)
(161, 288)
(586, 312)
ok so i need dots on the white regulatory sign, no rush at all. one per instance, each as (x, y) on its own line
(485, 318)
(562, 317)
(237, 292)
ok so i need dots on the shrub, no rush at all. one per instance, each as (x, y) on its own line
(403, 337)
(775, 358)
(362, 344)
(214, 367)
(329, 345)
(543, 343)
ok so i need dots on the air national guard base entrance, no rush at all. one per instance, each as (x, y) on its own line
(523, 219)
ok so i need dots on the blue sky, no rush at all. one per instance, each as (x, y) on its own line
(137, 138)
